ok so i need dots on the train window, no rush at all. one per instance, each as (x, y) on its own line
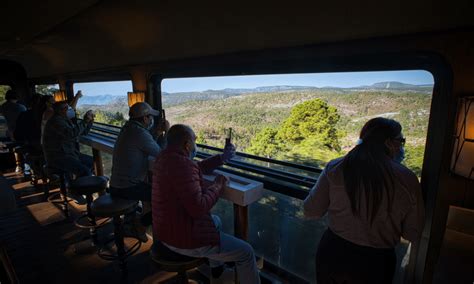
(107, 99)
(46, 89)
(3, 122)
(303, 118)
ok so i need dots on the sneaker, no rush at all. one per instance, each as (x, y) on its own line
(18, 170)
(133, 231)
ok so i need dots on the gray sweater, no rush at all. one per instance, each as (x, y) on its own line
(134, 146)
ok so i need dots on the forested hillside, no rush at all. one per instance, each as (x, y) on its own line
(302, 124)
(257, 118)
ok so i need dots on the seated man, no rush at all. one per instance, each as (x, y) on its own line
(11, 109)
(135, 145)
(181, 205)
(60, 138)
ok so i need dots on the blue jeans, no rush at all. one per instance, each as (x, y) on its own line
(231, 249)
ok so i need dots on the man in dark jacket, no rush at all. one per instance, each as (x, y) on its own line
(11, 109)
(181, 204)
(60, 138)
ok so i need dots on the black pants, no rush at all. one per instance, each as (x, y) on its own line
(141, 191)
(339, 261)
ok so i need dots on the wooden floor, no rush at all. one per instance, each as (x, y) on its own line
(44, 247)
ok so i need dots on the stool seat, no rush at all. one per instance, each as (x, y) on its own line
(50, 171)
(108, 206)
(171, 261)
(88, 185)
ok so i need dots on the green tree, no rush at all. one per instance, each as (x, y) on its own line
(201, 137)
(315, 120)
(265, 143)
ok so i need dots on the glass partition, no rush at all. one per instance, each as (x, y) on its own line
(107, 99)
(3, 122)
(303, 118)
(47, 89)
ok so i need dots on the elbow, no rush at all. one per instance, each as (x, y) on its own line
(310, 212)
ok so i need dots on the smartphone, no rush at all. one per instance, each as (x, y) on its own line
(163, 116)
(228, 139)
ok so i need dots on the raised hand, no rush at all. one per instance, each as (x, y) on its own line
(229, 152)
(89, 116)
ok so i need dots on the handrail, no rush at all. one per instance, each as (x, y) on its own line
(286, 176)
(285, 182)
(268, 160)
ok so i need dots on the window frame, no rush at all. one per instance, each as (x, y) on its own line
(322, 59)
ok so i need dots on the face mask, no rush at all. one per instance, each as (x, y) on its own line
(193, 153)
(400, 156)
(70, 113)
(152, 122)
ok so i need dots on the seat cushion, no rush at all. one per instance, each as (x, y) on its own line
(88, 185)
(50, 171)
(171, 261)
(106, 206)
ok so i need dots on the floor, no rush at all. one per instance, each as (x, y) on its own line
(45, 247)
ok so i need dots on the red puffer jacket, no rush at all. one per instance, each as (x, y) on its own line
(181, 202)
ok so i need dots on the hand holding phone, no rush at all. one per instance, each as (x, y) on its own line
(228, 139)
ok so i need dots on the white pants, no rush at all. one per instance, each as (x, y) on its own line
(231, 249)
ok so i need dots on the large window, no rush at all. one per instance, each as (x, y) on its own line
(304, 118)
(107, 99)
(46, 89)
(3, 122)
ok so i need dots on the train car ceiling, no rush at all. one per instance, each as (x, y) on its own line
(58, 37)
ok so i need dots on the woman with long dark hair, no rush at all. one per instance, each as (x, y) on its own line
(372, 200)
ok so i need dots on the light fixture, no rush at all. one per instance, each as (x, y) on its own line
(462, 162)
(135, 97)
(59, 96)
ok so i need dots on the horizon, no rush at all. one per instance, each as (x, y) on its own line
(217, 83)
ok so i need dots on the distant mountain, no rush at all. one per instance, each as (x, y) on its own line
(99, 100)
(393, 85)
(182, 97)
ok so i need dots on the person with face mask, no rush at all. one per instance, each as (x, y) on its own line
(134, 146)
(60, 137)
(181, 205)
(371, 200)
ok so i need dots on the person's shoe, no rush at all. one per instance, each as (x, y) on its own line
(133, 231)
(79, 199)
(18, 170)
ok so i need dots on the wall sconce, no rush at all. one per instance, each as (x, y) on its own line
(462, 161)
(135, 97)
(59, 96)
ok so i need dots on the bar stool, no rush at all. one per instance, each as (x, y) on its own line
(88, 186)
(106, 206)
(168, 260)
(54, 175)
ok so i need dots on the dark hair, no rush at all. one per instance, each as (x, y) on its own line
(178, 134)
(11, 95)
(367, 168)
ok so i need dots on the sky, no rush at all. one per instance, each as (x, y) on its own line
(344, 80)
